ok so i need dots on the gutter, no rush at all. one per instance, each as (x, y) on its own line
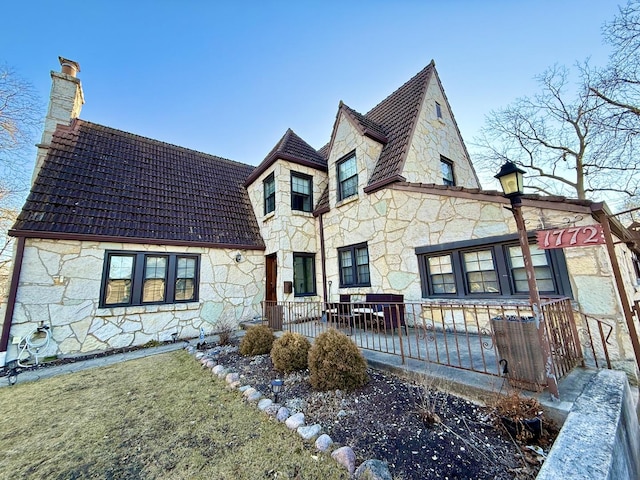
(11, 301)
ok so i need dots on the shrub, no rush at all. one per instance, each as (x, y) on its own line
(289, 352)
(257, 341)
(225, 330)
(335, 363)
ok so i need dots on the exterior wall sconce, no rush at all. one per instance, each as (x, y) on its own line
(512, 182)
(238, 257)
(276, 387)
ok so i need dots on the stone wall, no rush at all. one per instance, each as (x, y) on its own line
(63, 288)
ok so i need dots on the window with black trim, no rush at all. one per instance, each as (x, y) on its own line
(446, 167)
(143, 278)
(304, 274)
(301, 192)
(476, 269)
(269, 186)
(438, 110)
(347, 177)
(354, 266)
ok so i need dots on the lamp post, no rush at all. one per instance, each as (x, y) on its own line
(512, 181)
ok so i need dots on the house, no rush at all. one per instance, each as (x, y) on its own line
(125, 239)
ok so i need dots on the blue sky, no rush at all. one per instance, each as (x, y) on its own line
(228, 78)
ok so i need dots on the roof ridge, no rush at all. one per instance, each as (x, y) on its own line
(79, 122)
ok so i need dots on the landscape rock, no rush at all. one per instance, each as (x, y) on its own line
(244, 388)
(373, 470)
(232, 377)
(272, 410)
(252, 395)
(219, 370)
(309, 432)
(323, 442)
(295, 421)
(264, 404)
(283, 414)
(346, 457)
(199, 355)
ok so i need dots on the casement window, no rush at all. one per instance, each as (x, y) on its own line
(438, 110)
(354, 266)
(141, 278)
(304, 274)
(269, 186)
(490, 268)
(301, 192)
(446, 167)
(347, 177)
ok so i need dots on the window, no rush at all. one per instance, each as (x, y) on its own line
(354, 266)
(438, 110)
(347, 178)
(490, 267)
(544, 276)
(301, 192)
(304, 274)
(269, 186)
(480, 271)
(440, 271)
(139, 278)
(446, 167)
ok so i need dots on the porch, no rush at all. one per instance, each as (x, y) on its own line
(497, 340)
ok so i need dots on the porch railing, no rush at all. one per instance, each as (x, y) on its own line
(491, 338)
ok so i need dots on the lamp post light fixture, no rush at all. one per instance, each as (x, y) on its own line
(512, 181)
(276, 388)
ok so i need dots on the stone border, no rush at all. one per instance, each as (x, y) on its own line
(345, 456)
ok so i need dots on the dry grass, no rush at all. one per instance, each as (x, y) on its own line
(157, 417)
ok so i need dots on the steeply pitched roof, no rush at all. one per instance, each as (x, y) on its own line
(109, 184)
(293, 148)
(398, 114)
(367, 126)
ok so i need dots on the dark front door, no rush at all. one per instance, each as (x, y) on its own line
(272, 311)
(272, 278)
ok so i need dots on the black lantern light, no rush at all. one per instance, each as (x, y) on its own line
(511, 179)
(276, 388)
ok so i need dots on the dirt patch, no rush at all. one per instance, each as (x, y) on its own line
(421, 432)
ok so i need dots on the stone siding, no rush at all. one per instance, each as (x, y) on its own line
(63, 289)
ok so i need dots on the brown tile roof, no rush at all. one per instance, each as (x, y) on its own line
(366, 125)
(101, 182)
(294, 149)
(323, 202)
(398, 114)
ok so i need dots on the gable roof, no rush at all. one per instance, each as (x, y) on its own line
(105, 184)
(294, 149)
(398, 113)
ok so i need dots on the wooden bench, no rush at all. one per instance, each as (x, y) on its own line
(385, 310)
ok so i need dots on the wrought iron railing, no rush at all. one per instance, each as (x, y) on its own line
(487, 337)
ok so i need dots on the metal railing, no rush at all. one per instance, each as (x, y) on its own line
(485, 337)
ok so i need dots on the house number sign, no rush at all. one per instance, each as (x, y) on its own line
(570, 237)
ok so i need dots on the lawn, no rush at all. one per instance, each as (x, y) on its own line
(157, 417)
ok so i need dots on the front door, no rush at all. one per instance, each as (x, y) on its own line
(272, 278)
(272, 311)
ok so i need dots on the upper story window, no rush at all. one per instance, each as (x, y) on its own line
(304, 274)
(269, 185)
(140, 278)
(354, 266)
(446, 167)
(438, 110)
(301, 192)
(477, 268)
(347, 177)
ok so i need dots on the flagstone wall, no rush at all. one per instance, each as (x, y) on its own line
(60, 286)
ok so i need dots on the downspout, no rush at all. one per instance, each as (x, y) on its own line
(323, 262)
(11, 300)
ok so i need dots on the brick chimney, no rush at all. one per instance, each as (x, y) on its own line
(65, 103)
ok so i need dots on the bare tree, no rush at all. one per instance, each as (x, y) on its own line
(20, 118)
(555, 136)
(618, 85)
